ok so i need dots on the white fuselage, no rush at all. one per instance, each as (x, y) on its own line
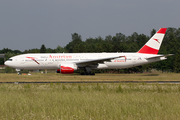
(54, 60)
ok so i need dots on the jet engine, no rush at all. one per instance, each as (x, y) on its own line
(67, 68)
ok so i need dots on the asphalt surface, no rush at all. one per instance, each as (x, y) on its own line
(160, 82)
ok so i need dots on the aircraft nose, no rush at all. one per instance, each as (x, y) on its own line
(9, 62)
(6, 63)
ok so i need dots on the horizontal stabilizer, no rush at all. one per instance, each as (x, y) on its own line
(159, 56)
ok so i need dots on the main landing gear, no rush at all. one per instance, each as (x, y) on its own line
(87, 71)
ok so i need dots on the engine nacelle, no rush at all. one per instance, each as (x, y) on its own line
(67, 68)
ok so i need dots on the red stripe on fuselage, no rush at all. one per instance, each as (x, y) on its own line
(148, 50)
(162, 30)
(32, 58)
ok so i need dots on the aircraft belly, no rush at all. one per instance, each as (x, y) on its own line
(34, 66)
(126, 64)
(120, 65)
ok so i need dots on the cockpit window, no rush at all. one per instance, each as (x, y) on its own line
(9, 59)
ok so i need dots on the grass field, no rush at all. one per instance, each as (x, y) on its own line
(90, 101)
(37, 77)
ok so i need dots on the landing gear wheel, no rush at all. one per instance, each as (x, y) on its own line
(18, 71)
(92, 73)
(82, 73)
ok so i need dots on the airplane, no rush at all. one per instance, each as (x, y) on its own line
(67, 63)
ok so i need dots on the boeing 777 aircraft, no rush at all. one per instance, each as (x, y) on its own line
(67, 63)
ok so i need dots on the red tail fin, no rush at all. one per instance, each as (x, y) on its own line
(153, 45)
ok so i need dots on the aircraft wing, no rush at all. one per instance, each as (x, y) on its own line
(96, 61)
(159, 56)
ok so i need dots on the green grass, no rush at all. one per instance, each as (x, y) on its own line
(96, 101)
(36, 77)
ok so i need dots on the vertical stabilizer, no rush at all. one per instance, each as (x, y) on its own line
(153, 45)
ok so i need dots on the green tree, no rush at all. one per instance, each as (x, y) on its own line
(5, 50)
(153, 32)
(49, 50)
(177, 62)
(60, 49)
(43, 49)
(9, 54)
(33, 51)
(132, 43)
(73, 46)
(119, 43)
(141, 40)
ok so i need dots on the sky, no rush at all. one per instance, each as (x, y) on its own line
(27, 24)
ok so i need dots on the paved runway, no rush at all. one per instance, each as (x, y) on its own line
(160, 82)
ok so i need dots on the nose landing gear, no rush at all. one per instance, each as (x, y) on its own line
(18, 71)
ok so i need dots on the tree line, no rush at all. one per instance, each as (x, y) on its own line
(117, 43)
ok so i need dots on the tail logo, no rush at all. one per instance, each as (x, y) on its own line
(157, 40)
(151, 47)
